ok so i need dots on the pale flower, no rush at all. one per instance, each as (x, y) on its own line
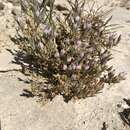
(47, 30)
(74, 77)
(79, 43)
(75, 26)
(64, 67)
(79, 67)
(69, 59)
(70, 67)
(86, 67)
(37, 13)
(123, 74)
(87, 25)
(73, 66)
(62, 52)
(40, 45)
(82, 54)
(77, 18)
(57, 55)
(67, 40)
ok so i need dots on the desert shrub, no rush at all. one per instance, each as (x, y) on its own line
(69, 46)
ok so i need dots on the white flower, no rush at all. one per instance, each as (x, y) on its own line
(57, 55)
(69, 59)
(64, 67)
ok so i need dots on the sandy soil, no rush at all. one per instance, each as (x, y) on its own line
(21, 113)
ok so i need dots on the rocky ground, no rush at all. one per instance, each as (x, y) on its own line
(101, 112)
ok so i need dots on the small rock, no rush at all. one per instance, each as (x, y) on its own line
(1, 6)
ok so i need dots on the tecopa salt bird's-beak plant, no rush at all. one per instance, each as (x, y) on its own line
(72, 45)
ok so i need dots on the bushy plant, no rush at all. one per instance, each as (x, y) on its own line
(71, 46)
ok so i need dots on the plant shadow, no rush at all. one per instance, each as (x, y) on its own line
(125, 114)
(25, 61)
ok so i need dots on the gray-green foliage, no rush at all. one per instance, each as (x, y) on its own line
(72, 46)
